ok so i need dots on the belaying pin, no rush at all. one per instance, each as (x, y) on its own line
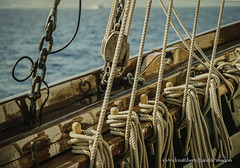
(114, 111)
(169, 84)
(77, 128)
(144, 100)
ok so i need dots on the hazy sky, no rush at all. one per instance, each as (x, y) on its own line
(105, 3)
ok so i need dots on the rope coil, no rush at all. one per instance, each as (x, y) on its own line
(164, 128)
(82, 143)
(137, 151)
(197, 138)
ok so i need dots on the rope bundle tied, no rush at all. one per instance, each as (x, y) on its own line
(197, 139)
(164, 130)
(232, 70)
(136, 146)
(221, 136)
(82, 143)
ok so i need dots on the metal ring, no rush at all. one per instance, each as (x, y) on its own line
(14, 66)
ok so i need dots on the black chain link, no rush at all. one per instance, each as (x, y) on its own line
(40, 63)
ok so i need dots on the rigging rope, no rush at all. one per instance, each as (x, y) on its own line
(161, 68)
(220, 130)
(109, 86)
(214, 51)
(81, 141)
(164, 124)
(230, 87)
(111, 19)
(221, 137)
(136, 149)
(190, 59)
(163, 133)
(137, 72)
(129, 119)
(197, 139)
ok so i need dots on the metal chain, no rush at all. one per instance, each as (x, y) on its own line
(41, 65)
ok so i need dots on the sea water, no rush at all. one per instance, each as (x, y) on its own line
(21, 30)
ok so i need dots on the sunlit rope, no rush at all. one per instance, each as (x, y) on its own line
(197, 138)
(164, 130)
(138, 69)
(230, 87)
(109, 84)
(128, 121)
(82, 144)
(136, 150)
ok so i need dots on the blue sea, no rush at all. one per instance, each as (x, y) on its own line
(21, 30)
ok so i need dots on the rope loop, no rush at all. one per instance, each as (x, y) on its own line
(136, 148)
(163, 135)
(82, 144)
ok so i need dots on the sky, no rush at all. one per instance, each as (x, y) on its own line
(88, 4)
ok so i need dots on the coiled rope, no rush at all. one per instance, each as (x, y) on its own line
(128, 119)
(97, 138)
(109, 86)
(228, 84)
(82, 140)
(164, 124)
(221, 137)
(197, 138)
(232, 70)
(160, 134)
(136, 150)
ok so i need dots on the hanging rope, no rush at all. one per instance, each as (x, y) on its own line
(221, 137)
(138, 69)
(136, 150)
(230, 87)
(197, 138)
(163, 133)
(111, 19)
(129, 21)
(129, 119)
(164, 123)
(161, 68)
(190, 59)
(214, 52)
(220, 130)
(109, 86)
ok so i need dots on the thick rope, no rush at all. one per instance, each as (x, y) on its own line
(137, 150)
(221, 137)
(161, 68)
(137, 72)
(164, 123)
(111, 19)
(232, 70)
(197, 138)
(190, 59)
(214, 52)
(82, 144)
(109, 85)
(230, 87)
(130, 16)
